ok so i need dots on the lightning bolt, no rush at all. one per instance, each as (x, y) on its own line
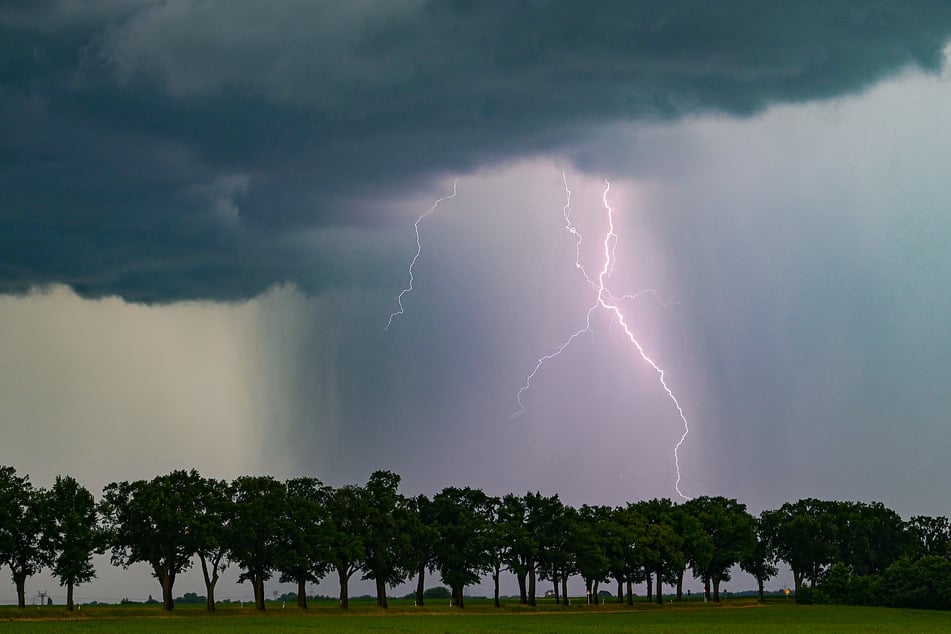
(419, 249)
(610, 303)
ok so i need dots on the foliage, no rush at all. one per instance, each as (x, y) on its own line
(151, 522)
(304, 551)
(840, 552)
(21, 526)
(462, 554)
(70, 533)
(260, 504)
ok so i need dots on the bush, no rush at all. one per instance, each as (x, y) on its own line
(923, 583)
(811, 595)
(439, 592)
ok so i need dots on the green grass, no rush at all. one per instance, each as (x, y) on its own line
(479, 616)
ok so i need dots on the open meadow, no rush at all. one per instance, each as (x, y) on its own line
(735, 616)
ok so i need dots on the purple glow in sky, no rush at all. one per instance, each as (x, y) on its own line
(606, 300)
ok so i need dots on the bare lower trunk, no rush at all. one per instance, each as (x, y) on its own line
(495, 581)
(716, 589)
(630, 592)
(69, 596)
(660, 594)
(650, 588)
(797, 580)
(420, 583)
(706, 589)
(680, 585)
(554, 582)
(522, 592)
(302, 594)
(344, 593)
(457, 598)
(381, 601)
(19, 579)
(594, 593)
(620, 590)
(759, 583)
(531, 582)
(564, 589)
(259, 592)
(167, 579)
(210, 581)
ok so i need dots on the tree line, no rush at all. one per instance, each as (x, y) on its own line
(301, 530)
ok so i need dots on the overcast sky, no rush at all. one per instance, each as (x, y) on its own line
(207, 214)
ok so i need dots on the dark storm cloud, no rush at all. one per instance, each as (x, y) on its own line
(173, 150)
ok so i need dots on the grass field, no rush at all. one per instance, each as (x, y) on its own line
(735, 616)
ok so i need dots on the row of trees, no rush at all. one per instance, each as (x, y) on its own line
(301, 531)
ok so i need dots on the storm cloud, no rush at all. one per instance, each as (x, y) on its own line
(162, 151)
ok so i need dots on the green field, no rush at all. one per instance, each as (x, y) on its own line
(735, 616)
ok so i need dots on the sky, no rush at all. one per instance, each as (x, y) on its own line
(207, 213)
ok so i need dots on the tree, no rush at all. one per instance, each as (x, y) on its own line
(495, 534)
(760, 561)
(210, 528)
(871, 537)
(932, 535)
(21, 524)
(589, 547)
(805, 538)
(555, 561)
(661, 546)
(304, 549)
(697, 545)
(260, 504)
(632, 540)
(346, 532)
(512, 520)
(731, 533)
(149, 521)
(424, 536)
(462, 553)
(70, 533)
(388, 525)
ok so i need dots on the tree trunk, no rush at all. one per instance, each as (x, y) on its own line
(620, 590)
(522, 592)
(680, 585)
(167, 579)
(495, 581)
(555, 579)
(531, 582)
(587, 589)
(660, 594)
(259, 591)
(594, 593)
(420, 583)
(69, 596)
(797, 580)
(19, 579)
(706, 588)
(457, 599)
(716, 589)
(630, 592)
(302, 593)
(210, 581)
(760, 584)
(564, 588)
(344, 582)
(381, 594)
(650, 587)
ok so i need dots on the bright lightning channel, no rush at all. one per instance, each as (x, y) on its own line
(608, 302)
(419, 249)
